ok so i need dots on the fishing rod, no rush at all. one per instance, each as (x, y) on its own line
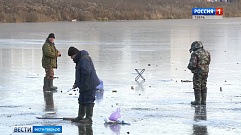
(74, 89)
(63, 118)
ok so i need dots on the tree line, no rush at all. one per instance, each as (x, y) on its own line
(14, 11)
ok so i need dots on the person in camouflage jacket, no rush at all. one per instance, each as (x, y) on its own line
(199, 66)
(49, 61)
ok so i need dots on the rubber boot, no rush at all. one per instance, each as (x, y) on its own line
(204, 97)
(50, 81)
(46, 84)
(88, 117)
(197, 99)
(81, 114)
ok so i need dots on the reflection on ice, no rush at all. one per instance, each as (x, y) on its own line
(139, 86)
(49, 101)
(114, 127)
(200, 115)
(85, 129)
(99, 95)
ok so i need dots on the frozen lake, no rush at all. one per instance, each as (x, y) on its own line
(160, 105)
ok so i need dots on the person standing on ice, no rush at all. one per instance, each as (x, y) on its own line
(49, 61)
(199, 65)
(86, 80)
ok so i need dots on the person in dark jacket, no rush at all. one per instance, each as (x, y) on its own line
(49, 61)
(199, 65)
(86, 80)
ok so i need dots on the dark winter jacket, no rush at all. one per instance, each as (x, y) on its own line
(85, 74)
(50, 54)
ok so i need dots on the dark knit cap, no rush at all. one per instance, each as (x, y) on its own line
(51, 35)
(72, 51)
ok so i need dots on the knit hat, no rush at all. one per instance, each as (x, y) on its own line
(72, 51)
(51, 35)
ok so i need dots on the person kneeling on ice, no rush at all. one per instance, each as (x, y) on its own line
(199, 65)
(86, 80)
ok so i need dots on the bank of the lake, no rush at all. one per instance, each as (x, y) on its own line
(14, 11)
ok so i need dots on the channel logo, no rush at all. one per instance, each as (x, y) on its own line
(22, 129)
(207, 11)
(37, 129)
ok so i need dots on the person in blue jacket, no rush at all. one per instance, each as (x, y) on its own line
(86, 80)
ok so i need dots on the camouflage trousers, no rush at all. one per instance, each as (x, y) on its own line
(200, 82)
(49, 73)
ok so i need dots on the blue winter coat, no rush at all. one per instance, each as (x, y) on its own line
(85, 74)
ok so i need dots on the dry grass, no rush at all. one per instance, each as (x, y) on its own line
(95, 10)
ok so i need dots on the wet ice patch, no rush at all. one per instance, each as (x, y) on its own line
(226, 23)
(201, 123)
(143, 109)
(32, 77)
(8, 115)
(75, 96)
(228, 84)
(165, 80)
(9, 106)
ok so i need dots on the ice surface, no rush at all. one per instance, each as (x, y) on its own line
(160, 105)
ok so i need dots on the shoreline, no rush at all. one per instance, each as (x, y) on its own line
(106, 10)
(123, 20)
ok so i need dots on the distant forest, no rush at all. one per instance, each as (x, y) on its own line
(14, 11)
